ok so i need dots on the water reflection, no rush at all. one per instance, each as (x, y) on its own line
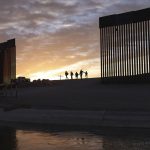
(11, 139)
(60, 140)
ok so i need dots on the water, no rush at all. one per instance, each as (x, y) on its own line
(14, 139)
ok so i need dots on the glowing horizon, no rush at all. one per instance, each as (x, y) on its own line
(55, 74)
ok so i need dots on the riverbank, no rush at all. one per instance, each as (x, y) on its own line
(80, 102)
(87, 94)
(77, 118)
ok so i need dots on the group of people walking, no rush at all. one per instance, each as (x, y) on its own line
(76, 74)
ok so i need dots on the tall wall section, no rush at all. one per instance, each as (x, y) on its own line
(7, 61)
(125, 45)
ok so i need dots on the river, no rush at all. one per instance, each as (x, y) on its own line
(45, 139)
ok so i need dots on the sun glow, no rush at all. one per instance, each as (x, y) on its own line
(56, 74)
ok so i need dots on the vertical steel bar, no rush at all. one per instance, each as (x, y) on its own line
(101, 48)
(129, 49)
(146, 40)
(103, 58)
(104, 52)
(138, 47)
(142, 50)
(113, 53)
(143, 47)
(117, 52)
(120, 49)
(125, 52)
(134, 48)
(148, 45)
(106, 55)
(109, 51)
(114, 66)
(111, 62)
(115, 48)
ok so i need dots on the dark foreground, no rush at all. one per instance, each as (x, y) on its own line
(80, 102)
(87, 94)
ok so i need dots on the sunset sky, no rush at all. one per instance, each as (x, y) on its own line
(57, 35)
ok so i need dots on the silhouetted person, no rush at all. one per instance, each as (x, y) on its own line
(66, 74)
(86, 74)
(71, 74)
(81, 73)
(76, 74)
